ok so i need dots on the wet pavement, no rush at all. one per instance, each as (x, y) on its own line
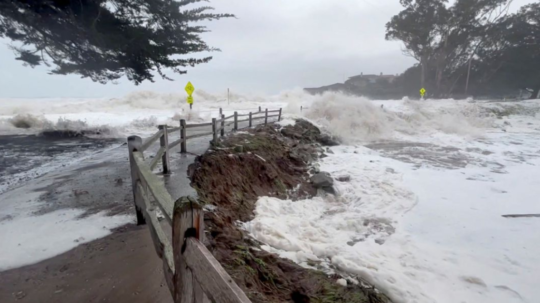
(101, 181)
(21, 157)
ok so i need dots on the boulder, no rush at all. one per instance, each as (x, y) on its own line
(327, 140)
(322, 180)
(344, 178)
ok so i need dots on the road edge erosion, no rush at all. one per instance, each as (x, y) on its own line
(275, 162)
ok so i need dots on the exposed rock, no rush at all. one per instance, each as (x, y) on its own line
(322, 180)
(302, 130)
(344, 178)
(314, 170)
(327, 140)
(307, 132)
(304, 152)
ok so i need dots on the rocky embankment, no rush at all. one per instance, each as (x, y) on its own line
(267, 161)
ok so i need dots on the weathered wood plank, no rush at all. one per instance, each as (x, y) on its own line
(213, 279)
(269, 116)
(199, 135)
(187, 214)
(189, 283)
(183, 139)
(164, 143)
(161, 242)
(134, 145)
(198, 294)
(169, 276)
(274, 111)
(156, 187)
(171, 145)
(198, 125)
(222, 127)
(173, 129)
(151, 140)
(214, 131)
(157, 157)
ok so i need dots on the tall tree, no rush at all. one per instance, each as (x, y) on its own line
(444, 38)
(107, 39)
(511, 59)
(418, 27)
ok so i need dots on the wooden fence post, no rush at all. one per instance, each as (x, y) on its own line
(214, 131)
(266, 117)
(235, 120)
(183, 136)
(259, 109)
(164, 143)
(220, 112)
(301, 108)
(188, 221)
(279, 116)
(222, 125)
(250, 121)
(135, 144)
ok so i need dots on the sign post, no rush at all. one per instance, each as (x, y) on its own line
(189, 90)
(422, 92)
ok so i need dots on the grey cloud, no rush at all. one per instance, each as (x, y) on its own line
(273, 45)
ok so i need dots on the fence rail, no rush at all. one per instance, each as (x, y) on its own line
(192, 273)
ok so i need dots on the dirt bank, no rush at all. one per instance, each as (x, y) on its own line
(265, 162)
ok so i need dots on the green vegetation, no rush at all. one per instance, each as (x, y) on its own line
(468, 47)
(107, 39)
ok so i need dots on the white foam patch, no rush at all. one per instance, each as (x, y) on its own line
(30, 239)
(422, 233)
(357, 119)
(137, 113)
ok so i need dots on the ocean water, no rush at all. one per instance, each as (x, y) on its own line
(420, 218)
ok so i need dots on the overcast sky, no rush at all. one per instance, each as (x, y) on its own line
(273, 45)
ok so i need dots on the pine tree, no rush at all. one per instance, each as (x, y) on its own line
(107, 39)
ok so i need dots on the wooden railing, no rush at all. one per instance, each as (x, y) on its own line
(218, 125)
(192, 273)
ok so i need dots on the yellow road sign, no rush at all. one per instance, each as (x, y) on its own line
(190, 99)
(190, 88)
(422, 91)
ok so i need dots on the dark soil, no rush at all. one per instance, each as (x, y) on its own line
(265, 162)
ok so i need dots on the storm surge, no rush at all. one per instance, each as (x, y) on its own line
(357, 119)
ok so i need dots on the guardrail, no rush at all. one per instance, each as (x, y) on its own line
(218, 125)
(192, 273)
